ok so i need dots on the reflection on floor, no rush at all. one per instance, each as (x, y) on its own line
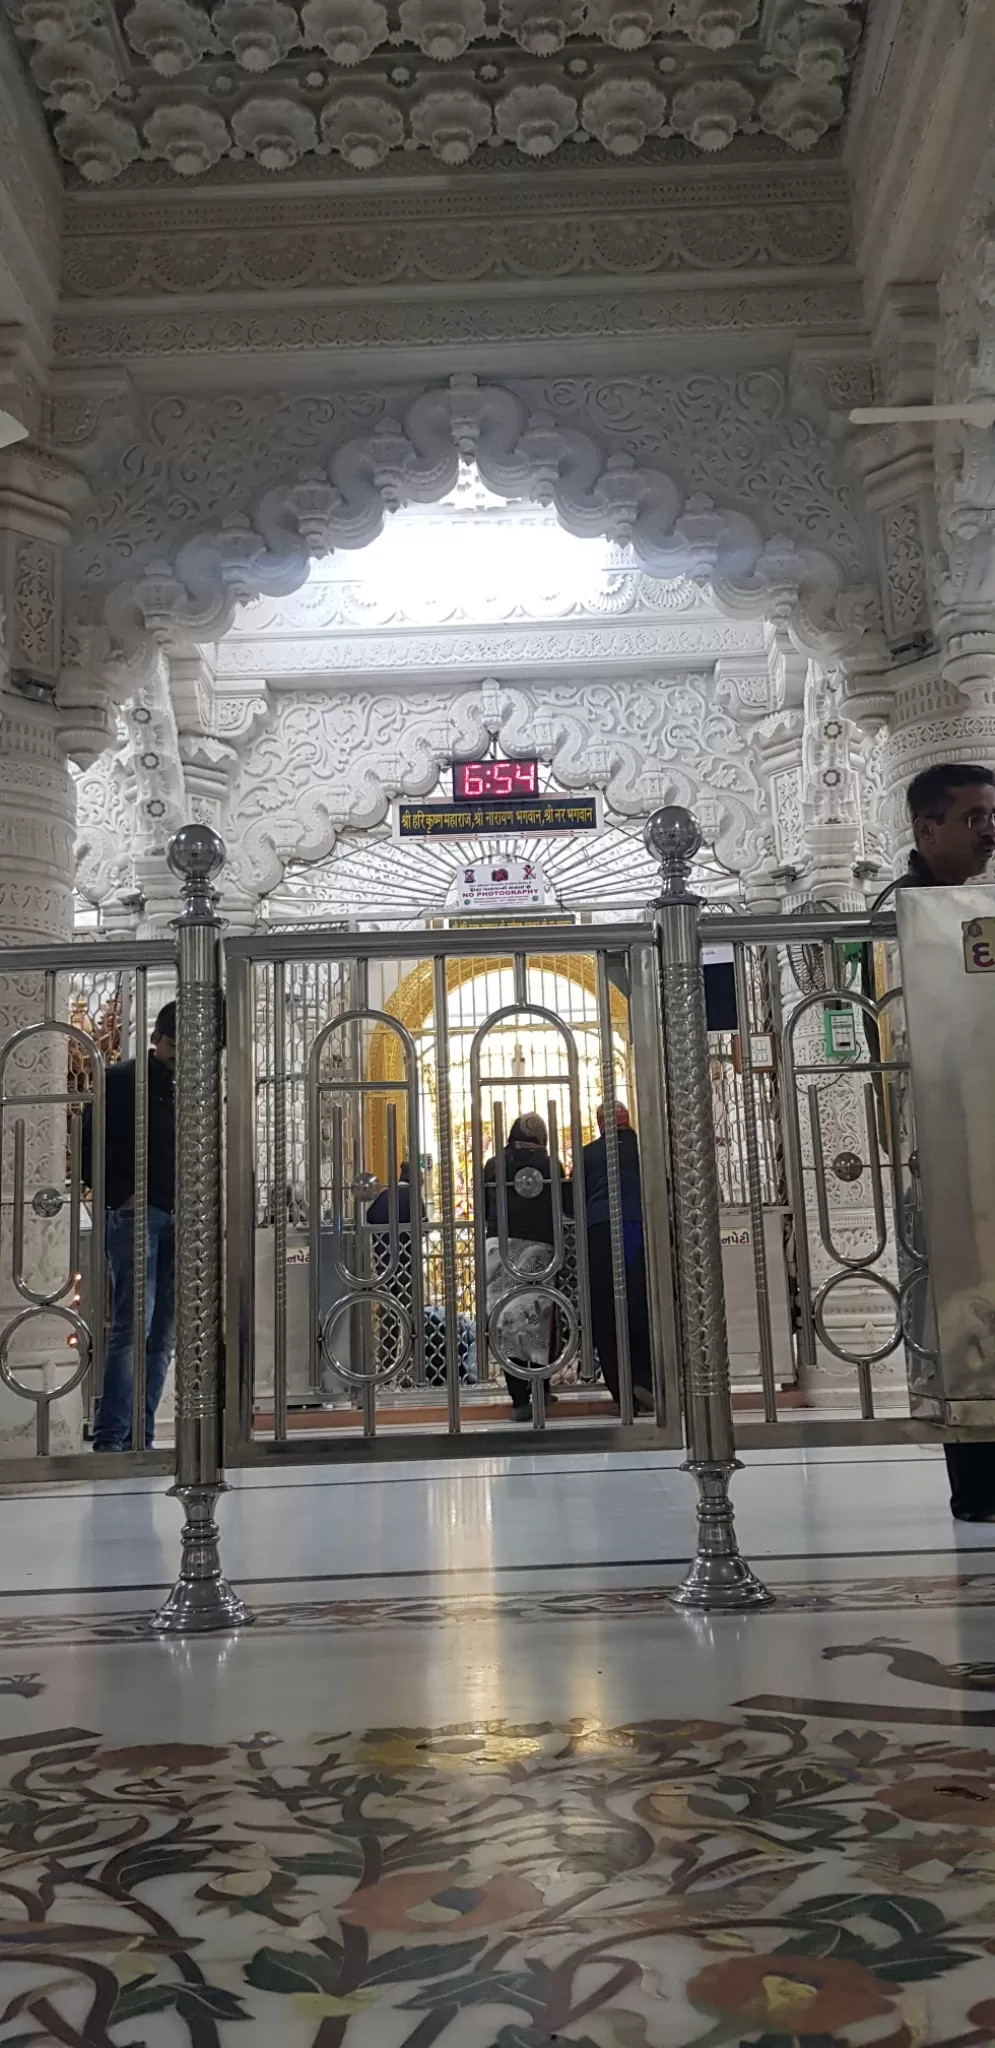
(501, 1805)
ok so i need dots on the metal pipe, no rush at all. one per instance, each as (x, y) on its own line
(98, 954)
(719, 1577)
(280, 1196)
(240, 1205)
(814, 927)
(646, 1025)
(795, 1168)
(616, 1226)
(754, 1185)
(362, 1318)
(140, 1219)
(444, 1121)
(201, 1598)
(302, 944)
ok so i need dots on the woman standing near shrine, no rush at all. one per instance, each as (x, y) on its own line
(525, 1327)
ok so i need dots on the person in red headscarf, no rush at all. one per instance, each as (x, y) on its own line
(599, 1257)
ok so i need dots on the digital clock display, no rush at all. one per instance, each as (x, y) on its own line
(494, 779)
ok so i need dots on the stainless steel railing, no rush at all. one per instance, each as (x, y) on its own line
(856, 1268)
(322, 1100)
(372, 1082)
(78, 1001)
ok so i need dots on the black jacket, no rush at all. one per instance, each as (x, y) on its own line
(119, 1168)
(379, 1210)
(596, 1179)
(530, 1217)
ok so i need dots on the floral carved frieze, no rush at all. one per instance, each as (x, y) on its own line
(707, 479)
(169, 87)
(404, 327)
(552, 244)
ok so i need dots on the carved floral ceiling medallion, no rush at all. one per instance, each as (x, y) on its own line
(144, 90)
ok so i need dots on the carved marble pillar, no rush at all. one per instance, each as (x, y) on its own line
(779, 737)
(832, 813)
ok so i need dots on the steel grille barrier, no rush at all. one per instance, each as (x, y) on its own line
(362, 1296)
(86, 1005)
(355, 1276)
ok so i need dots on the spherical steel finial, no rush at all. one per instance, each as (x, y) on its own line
(673, 836)
(196, 853)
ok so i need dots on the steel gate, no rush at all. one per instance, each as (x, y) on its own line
(347, 1317)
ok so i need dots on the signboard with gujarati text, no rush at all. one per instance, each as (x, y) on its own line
(541, 815)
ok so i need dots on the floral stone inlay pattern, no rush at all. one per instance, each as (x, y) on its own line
(758, 1878)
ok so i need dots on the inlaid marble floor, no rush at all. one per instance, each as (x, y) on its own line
(463, 1785)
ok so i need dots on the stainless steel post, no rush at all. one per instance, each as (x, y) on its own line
(719, 1577)
(201, 1598)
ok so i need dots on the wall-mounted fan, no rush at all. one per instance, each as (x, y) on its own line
(972, 412)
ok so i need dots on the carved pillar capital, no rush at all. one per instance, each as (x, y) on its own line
(896, 470)
(39, 496)
(969, 666)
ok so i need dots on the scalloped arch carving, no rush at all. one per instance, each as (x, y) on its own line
(264, 545)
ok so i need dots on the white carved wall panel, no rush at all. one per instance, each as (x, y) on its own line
(325, 764)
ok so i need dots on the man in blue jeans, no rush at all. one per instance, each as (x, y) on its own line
(112, 1426)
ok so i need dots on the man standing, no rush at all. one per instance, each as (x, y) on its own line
(952, 813)
(112, 1425)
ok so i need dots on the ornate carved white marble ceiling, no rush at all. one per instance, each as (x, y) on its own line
(476, 584)
(142, 90)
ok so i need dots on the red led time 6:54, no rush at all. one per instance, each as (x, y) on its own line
(494, 779)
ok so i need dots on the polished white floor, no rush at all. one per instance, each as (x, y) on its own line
(469, 1679)
(581, 1520)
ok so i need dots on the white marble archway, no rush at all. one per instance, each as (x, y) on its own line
(713, 478)
(710, 478)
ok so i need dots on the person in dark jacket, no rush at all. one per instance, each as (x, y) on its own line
(952, 813)
(599, 1257)
(525, 1329)
(112, 1424)
(379, 1210)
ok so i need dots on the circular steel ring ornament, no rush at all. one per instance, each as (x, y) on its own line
(556, 1300)
(819, 1307)
(41, 1396)
(382, 1375)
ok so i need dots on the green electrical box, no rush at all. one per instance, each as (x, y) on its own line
(840, 1027)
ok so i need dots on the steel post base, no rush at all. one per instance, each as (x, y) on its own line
(719, 1578)
(201, 1602)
